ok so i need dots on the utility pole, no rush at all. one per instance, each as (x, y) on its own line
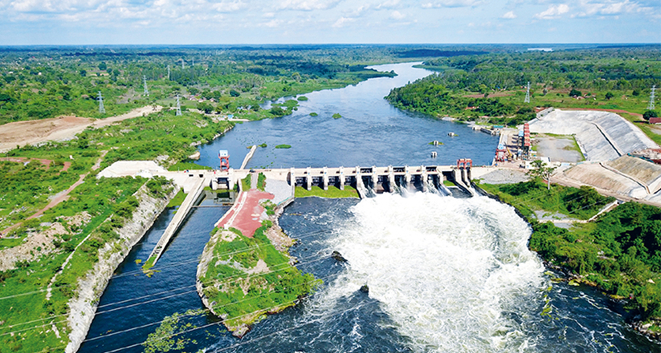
(651, 106)
(178, 112)
(144, 81)
(102, 109)
(527, 100)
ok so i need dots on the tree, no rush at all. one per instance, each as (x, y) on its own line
(650, 114)
(542, 171)
(575, 93)
(103, 66)
(609, 95)
(83, 73)
(635, 93)
(206, 107)
(234, 93)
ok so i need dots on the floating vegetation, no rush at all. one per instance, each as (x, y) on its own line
(314, 114)
(337, 116)
(283, 146)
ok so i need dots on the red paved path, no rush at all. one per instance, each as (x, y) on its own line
(245, 214)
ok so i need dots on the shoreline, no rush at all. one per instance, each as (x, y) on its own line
(92, 286)
(570, 277)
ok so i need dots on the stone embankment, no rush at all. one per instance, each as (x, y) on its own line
(90, 288)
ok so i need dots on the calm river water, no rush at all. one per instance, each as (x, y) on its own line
(444, 274)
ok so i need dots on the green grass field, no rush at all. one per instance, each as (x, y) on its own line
(332, 193)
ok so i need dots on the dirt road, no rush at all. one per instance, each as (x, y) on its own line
(57, 129)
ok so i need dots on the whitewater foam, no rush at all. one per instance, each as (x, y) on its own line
(446, 270)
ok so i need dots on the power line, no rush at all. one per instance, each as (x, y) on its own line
(227, 319)
(224, 280)
(238, 251)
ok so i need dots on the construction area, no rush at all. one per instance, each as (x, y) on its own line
(594, 148)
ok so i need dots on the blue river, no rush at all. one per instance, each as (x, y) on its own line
(444, 274)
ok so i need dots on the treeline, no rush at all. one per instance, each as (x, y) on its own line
(600, 69)
(428, 97)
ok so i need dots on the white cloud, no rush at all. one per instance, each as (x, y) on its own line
(342, 21)
(452, 3)
(229, 6)
(388, 4)
(306, 5)
(396, 15)
(554, 11)
(509, 15)
(272, 23)
(608, 8)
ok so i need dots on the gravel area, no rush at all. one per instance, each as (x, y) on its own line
(504, 176)
(279, 188)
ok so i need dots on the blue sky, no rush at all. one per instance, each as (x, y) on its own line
(26, 22)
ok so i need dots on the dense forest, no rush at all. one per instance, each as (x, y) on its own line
(470, 87)
(46, 83)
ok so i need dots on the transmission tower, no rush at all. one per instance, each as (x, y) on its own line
(168, 72)
(651, 106)
(102, 109)
(178, 112)
(144, 82)
(527, 100)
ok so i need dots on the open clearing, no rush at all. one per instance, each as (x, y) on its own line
(31, 132)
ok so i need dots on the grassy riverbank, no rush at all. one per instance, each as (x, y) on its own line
(332, 192)
(620, 252)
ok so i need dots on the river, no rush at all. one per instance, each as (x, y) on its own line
(444, 274)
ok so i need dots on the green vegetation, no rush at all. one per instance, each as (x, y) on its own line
(337, 116)
(620, 252)
(246, 183)
(491, 87)
(243, 298)
(302, 98)
(88, 220)
(178, 199)
(46, 83)
(439, 143)
(261, 181)
(448, 183)
(313, 114)
(166, 337)
(97, 208)
(263, 145)
(533, 195)
(332, 193)
(283, 146)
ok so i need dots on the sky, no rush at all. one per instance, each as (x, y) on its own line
(87, 22)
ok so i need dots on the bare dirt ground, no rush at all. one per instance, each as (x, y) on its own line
(558, 149)
(57, 129)
(639, 116)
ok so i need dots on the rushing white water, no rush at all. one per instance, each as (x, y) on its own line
(446, 270)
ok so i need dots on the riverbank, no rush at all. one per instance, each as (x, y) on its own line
(614, 252)
(92, 285)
